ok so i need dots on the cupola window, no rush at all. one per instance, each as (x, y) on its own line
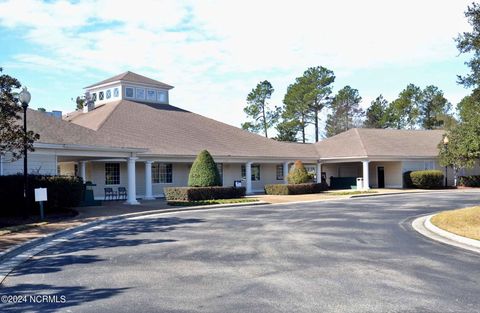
(129, 92)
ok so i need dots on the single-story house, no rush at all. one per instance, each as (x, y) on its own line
(129, 135)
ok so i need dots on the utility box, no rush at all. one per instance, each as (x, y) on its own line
(359, 183)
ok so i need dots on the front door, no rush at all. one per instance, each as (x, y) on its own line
(381, 176)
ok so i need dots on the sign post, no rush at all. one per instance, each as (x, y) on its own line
(40, 196)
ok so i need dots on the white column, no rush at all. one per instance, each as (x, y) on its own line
(285, 172)
(148, 181)
(366, 181)
(248, 174)
(1, 164)
(82, 170)
(131, 190)
(319, 172)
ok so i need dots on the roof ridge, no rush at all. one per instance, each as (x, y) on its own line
(361, 141)
(109, 115)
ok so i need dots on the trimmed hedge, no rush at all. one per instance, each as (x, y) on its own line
(204, 172)
(295, 189)
(62, 191)
(469, 181)
(202, 193)
(298, 174)
(427, 179)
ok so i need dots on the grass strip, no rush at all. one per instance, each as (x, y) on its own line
(210, 202)
(463, 222)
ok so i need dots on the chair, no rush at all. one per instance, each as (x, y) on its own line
(122, 193)
(110, 194)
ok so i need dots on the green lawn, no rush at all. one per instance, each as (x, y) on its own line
(210, 202)
(463, 222)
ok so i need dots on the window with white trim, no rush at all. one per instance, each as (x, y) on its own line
(151, 95)
(112, 173)
(429, 165)
(100, 95)
(220, 170)
(280, 172)
(162, 173)
(255, 172)
(115, 92)
(140, 93)
(108, 94)
(129, 92)
(162, 96)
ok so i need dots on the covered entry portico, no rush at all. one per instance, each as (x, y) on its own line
(375, 173)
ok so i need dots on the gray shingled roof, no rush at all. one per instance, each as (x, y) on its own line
(168, 130)
(133, 78)
(364, 142)
(53, 130)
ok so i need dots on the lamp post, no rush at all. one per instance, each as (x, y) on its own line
(24, 98)
(445, 145)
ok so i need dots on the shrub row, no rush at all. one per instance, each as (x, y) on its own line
(62, 192)
(297, 189)
(428, 179)
(202, 193)
(469, 181)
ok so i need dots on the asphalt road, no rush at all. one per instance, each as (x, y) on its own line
(357, 255)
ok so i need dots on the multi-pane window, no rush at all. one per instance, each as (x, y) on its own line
(94, 96)
(100, 95)
(151, 95)
(129, 92)
(162, 173)
(115, 92)
(109, 94)
(112, 173)
(220, 170)
(162, 96)
(280, 172)
(429, 165)
(140, 93)
(255, 172)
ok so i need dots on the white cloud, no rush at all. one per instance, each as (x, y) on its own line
(214, 52)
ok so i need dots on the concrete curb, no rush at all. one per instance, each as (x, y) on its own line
(424, 226)
(406, 193)
(16, 255)
(463, 240)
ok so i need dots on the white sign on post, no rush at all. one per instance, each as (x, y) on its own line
(40, 194)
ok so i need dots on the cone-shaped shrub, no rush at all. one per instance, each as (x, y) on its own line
(204, 171)
(298, 175)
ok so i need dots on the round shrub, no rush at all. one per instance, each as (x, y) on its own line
(298, 175)
(427, 179)
(204, 171)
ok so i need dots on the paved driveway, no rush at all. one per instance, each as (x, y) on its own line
(356, 255)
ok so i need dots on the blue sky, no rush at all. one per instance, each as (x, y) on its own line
(215, 52)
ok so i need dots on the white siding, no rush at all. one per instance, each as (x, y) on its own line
(45, 164)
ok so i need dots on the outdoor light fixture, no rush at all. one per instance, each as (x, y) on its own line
(24, 97)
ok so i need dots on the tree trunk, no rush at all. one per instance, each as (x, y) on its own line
(316, 125)
(303, 128)
(264, 121)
